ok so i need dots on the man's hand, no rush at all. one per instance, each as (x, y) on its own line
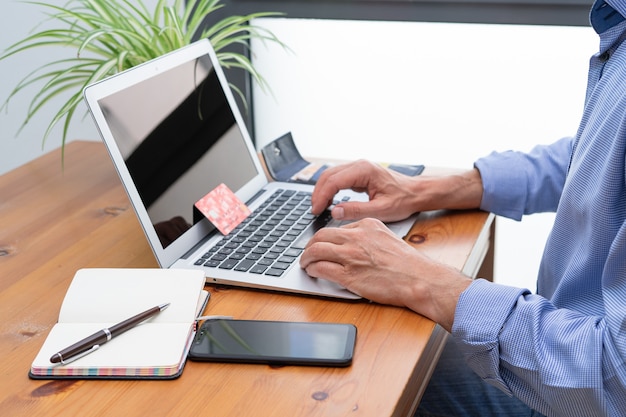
(393, 196)
(368, 259)
(389, 192)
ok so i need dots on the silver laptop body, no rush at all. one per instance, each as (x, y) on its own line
(174, 133)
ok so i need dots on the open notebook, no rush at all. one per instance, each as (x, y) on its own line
(99, 298)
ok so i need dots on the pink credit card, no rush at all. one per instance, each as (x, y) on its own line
(223, 208)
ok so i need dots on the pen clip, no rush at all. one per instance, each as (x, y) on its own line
(80, 355)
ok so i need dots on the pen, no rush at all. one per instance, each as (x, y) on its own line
(93, 342)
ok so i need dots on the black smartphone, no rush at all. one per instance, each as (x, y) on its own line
(274, 342)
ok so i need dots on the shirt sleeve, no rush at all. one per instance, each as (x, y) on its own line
(558, 361)
(517, 183)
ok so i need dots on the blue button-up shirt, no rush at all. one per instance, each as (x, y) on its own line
(563, 350)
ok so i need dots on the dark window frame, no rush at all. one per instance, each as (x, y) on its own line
(534, 12)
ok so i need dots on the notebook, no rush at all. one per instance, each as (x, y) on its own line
(175, 134)
(99, 298)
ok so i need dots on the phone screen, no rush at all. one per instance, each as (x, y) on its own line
(274, 342)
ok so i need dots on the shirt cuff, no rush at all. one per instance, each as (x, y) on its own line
(503, 193)
(480, 315)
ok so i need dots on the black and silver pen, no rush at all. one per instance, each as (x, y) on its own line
(93, 342)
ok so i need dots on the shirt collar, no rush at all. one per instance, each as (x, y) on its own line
(604, 16)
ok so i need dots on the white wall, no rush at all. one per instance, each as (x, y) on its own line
(430, 93)
(17, 21)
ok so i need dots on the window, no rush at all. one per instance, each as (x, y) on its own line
(526, 12)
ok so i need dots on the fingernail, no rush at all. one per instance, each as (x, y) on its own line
(338, 213)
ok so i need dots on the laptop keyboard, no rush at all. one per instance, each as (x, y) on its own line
(271, 238)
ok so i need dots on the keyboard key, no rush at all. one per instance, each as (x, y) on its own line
(278, 249)
(286, 259)
(244, 265)
(211, 263)
(293, 252)
(231, 245)
(281, 265)
(228, 264)
(258, 269)
(275, 272)
(237, 256)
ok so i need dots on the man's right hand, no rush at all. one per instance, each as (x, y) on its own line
(393, 196)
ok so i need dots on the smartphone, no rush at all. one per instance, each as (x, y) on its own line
(274, 342)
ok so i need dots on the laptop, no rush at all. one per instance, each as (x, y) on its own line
(174, 134)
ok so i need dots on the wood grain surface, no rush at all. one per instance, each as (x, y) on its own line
(56, 219)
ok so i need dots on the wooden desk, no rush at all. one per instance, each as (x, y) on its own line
(54, 221)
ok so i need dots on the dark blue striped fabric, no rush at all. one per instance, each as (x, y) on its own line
(563, 351)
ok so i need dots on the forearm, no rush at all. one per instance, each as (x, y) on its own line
(435, 290)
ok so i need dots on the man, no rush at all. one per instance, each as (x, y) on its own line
(562, 352)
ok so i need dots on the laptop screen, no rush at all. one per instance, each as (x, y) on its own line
(179, 140)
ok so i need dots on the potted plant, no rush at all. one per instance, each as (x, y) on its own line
(109, 36)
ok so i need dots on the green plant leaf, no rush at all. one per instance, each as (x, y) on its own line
(110, 36)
